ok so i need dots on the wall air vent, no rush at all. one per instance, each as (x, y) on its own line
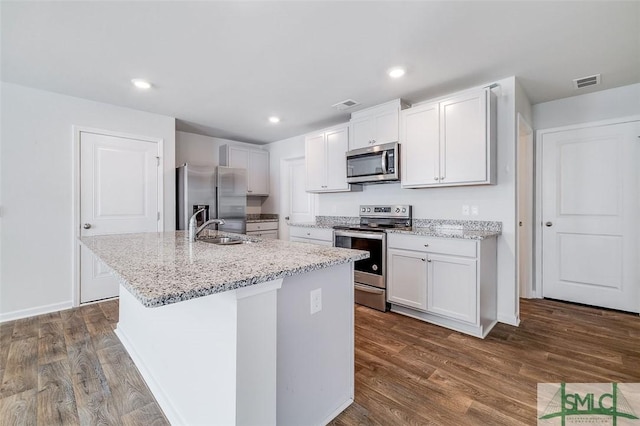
(591, 80)
(346, 104)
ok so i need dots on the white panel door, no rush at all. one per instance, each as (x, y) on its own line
(337, 145)
(386, 127)
(119, 186)
(590, 186)
(316, 160)
(299, 204)
(452, 287)
(362, 133)
(420, 150)
(258, 173)
(407, 279)
(463, 133)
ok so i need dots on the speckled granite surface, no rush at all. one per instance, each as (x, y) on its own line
(264, 217)
(164, 268)
(328, 222)
(442, 228)
(465, 229)
(447, 233)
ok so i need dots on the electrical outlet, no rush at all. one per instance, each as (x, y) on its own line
(316, 300)
(465, 210)
(474, 211)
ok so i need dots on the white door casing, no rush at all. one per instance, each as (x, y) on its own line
(525, 212)
(590, 186)
(120, 191)
(296, 204)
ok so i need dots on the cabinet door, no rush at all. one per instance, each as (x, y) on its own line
(407, 278)
(420, 152)
(386, 127)
(238, 158)
(362, 133)
(463, 139)
(452, 287)
(315, 161)
(258, 173)
(337, 143)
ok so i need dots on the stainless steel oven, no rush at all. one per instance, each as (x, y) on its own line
(370, 274)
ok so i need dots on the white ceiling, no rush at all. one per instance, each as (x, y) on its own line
(222, 68)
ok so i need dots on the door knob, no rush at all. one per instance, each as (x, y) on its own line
(286, 218)
(548, 224)
(86, 226)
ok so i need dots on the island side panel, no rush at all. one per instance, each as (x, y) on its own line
(190, 354)
(315, 351)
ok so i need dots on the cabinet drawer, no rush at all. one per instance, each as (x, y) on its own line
(323, 234)
(261, 226)
(456, 247)
(310, 241)
(272, 234)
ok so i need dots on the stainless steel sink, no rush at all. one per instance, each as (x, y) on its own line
(221, 241)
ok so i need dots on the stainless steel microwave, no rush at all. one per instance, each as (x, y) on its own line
(375, 164)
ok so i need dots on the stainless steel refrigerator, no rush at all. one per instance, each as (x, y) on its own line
(221, 191)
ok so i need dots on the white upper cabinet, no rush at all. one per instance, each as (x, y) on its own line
(375, 125)
(420, 149)
(450, 142)
(255, 161)
(325, 160)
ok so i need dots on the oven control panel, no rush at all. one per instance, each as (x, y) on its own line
(397, 211)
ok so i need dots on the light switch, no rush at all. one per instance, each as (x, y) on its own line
(465, 209)
(474, 211)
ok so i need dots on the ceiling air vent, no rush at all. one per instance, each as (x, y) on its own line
(592, 80)
(346, 104)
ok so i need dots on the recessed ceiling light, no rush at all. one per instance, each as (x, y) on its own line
(274, 119)
(141, 84)
(396, 72)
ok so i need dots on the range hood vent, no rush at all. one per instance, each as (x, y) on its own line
(346, 104)
(591, 80)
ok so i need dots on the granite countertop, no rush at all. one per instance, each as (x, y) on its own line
(264, 217)
(164, 268)
(441, 228)
(465, 234)
(311, 225)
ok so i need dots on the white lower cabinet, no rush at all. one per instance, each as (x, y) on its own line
(318, 236)
(268, 230)
(407, 278)
(446, 281)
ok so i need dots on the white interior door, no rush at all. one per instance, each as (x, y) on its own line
(120, 182)
(590, 185)
(297, 205)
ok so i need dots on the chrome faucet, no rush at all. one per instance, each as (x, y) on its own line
(195, 231)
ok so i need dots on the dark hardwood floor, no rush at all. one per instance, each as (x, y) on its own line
(70, 368)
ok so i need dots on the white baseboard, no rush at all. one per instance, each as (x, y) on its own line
(509, 319)
(39, 310)
(339, 410)
(163, 401)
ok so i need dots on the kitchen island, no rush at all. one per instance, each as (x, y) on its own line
(225, 334)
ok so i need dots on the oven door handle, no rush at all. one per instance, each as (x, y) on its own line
(368, 290)
(384, 156)
(368, 236)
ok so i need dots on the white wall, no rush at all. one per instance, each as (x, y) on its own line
(205, 151)
(36, 232)
(495, 202)
(613, 103)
